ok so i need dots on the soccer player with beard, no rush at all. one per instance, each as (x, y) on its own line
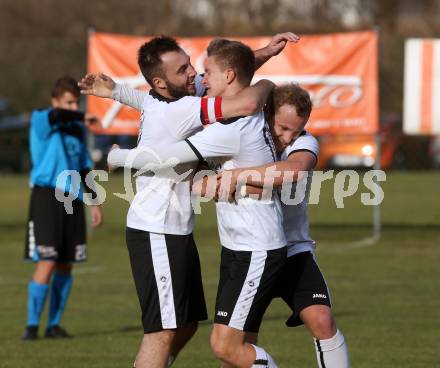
(251, 233)
(163, 255)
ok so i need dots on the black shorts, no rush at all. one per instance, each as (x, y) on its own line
(302, 285)
(168, 279)
(246, 286)
(52, 233)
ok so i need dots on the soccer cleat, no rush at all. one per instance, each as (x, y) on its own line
(31, 333)
(57, 332)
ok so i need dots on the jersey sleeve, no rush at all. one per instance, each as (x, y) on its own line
(305, 142)
(183, 117)
(152, 157)
(60, 116)
(189, 114)
(40, 123)
(129, 96)
(86, 161)
(217, 140)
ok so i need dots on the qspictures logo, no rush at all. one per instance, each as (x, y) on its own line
(169, 178)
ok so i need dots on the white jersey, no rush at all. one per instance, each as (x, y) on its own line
(250, 224)
(295, 218)
(161, 204)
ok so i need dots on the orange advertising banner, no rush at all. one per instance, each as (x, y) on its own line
(339, 70)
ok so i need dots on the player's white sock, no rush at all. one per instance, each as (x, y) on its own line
(263, 359)
(332, 353)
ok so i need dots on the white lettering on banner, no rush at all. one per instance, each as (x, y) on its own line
(344, 123)
(338, 91)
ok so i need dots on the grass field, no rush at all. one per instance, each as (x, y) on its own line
(386, 296)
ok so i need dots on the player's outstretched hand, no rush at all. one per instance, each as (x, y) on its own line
(96, 216)
(279, 42)
(92, 121)
(99, 85)
(110, 167)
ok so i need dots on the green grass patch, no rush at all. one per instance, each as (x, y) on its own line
(385, 295)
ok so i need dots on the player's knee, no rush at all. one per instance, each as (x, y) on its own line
(43, 272)
(221, 347)
(45, 265)
(167, 337)
(324, 326)
(215, 342)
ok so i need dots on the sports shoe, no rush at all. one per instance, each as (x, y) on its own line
(31, 333)
(56, 332)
